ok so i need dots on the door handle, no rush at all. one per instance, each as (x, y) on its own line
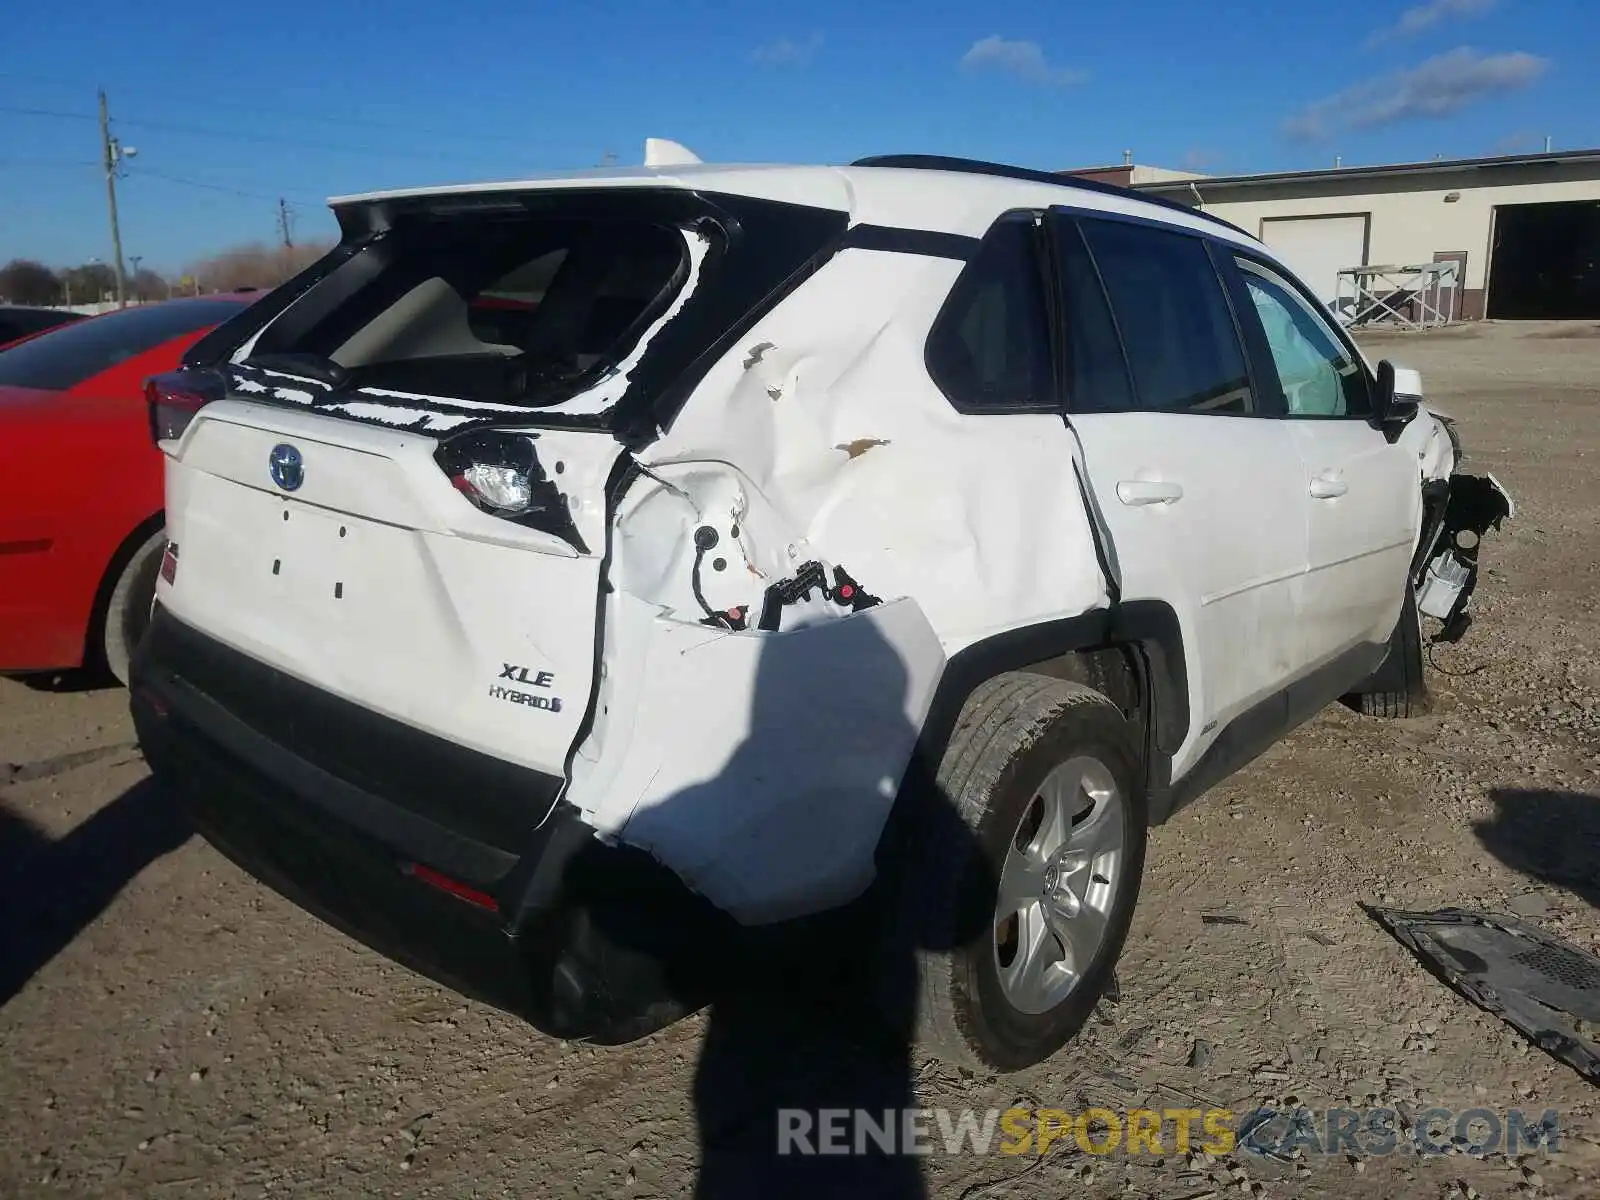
(1136, 492)
(1328, 486)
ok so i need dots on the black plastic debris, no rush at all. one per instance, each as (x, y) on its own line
(1544, 987)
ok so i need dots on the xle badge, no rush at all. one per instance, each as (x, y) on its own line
(516, 674)
(520, 675)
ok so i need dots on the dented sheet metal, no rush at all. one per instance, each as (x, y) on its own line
(766, 670)
(1542, 986)
(759, 766)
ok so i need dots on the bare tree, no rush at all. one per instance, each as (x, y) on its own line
(257, 265)
(148, 285)
(90, 283)
(23, 281)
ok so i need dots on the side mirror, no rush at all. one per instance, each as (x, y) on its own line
(1397, 399)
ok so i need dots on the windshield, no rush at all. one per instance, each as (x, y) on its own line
(65, 357)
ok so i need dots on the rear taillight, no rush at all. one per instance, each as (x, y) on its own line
(500, 473)
(175, 397)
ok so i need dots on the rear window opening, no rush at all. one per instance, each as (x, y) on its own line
(521, 309)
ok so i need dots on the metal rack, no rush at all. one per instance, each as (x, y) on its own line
(1405, 296)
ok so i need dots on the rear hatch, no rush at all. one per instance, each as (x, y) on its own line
(392, 481)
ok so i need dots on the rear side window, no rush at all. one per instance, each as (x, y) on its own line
(20, 322)
(989, 349)
(65, 357)
(1170, 306)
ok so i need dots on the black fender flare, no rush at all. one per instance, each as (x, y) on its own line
(1149, 627)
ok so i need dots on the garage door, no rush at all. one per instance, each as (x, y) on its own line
(1318, 248)
(1546, 262)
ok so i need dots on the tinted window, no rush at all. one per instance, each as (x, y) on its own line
(65, 357)
(1096, 371)
(989, 350)
(1174, 319)
(20, 322)
(1319, 377)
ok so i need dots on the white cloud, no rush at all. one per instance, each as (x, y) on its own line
(1425, 16)
(786, 52)
(1436, 88)
(1025, 60)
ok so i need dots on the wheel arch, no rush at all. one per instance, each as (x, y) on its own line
(94, 630)
(1135, 649)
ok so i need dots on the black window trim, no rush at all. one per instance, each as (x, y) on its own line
(1054, 403)
(1340, 335)
(1213, 245)
(1056, 220)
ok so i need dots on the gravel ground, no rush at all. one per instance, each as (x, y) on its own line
(170, 1028)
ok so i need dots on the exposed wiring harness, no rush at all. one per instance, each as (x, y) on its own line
(706, 538)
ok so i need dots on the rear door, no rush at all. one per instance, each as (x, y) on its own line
(1202, 497)
(1364, 495)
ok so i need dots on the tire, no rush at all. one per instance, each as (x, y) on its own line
(1018, 737)
(127, 611)
(1397, 689)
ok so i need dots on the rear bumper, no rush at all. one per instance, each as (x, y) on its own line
(580, 939)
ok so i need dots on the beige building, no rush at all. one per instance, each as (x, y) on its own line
(1524, 229)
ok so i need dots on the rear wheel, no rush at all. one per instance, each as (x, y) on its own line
(128, 606)
(1026, 899)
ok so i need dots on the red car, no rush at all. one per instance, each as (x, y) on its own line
(80, 483)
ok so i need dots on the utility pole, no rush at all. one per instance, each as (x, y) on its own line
(283, 223)
(114, 154)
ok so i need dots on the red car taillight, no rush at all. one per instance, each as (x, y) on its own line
(175, 397)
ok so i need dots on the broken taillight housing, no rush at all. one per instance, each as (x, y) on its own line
(500, 473)
(175, 397)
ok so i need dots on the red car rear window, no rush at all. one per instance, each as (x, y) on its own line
(65, 357)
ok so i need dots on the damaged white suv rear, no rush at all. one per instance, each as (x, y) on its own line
(569, 578)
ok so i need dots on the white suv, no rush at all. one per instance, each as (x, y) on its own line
(568, 577)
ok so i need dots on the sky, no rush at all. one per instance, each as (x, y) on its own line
(231, 106)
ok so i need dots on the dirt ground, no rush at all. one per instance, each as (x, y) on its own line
(171, 1028)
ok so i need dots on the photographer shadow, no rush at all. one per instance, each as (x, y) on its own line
(817, 1015)
(53, 889)
(1549, 835)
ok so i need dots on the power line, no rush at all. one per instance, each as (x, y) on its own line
(145, 172)
(209, 104)
(36, 163)
(45, 112)
(237, 136)
(234, 135)
(276, 140)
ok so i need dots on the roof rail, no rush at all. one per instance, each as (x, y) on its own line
(974, 166)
